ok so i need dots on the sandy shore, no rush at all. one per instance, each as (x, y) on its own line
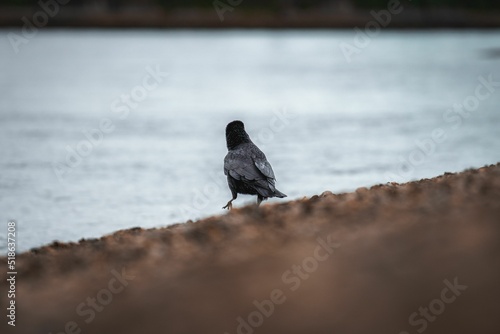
(415, 257)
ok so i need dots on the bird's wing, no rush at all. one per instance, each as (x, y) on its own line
(265, 168)
(249, 165)
(260, 161)
(241, 166)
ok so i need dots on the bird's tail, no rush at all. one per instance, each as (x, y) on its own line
(266, 189)
(278, 193)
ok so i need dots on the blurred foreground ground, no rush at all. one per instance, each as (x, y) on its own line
(415, 257)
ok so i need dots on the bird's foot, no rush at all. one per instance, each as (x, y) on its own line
(229, 205)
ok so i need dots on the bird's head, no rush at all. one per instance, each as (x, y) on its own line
(236, 134)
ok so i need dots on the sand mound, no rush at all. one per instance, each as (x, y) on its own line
(421, 256)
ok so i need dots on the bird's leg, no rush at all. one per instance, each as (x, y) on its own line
(229, 204)
(259, 200)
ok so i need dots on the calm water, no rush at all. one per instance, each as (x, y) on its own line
(324, 123)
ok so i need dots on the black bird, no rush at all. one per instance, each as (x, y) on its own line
(247, 169)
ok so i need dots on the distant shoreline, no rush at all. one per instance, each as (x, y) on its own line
(410, 19)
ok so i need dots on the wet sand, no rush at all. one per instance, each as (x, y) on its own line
(414, 257)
